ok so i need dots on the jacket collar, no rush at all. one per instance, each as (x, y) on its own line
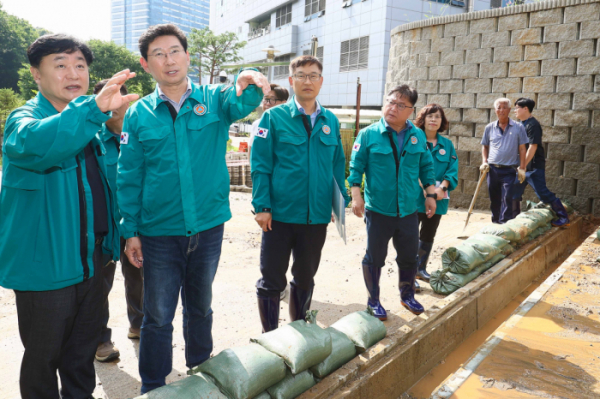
(46, 106)
(155, 100)
(294, 111)
(106, 134)
(381, 126)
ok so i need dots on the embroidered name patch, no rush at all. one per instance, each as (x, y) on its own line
(414, 140)
(326, 129)
(442, 152)
(262, 132)
(356, 147)
(200, 109)
(124, 138)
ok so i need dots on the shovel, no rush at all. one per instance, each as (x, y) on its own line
(481, 179)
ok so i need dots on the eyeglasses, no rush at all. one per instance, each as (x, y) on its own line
(270, 100)
(163, 56)
(302, 77)
(401, 107)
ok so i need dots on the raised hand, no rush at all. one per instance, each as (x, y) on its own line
(110, 97)
(252, 77)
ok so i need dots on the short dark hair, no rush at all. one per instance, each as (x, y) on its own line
(305, 60)
(407, 92)
(281, 93)
(525, 102)
(100, 85)
(56, 44)
(156, 31)
(431, 109)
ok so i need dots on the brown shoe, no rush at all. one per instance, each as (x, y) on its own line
(106, 352)
(134, 333)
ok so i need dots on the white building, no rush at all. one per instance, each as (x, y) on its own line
(353, 37)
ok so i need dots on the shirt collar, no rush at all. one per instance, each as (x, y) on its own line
(510, 122)
(317, 110)
(164, 97)
(389, 128)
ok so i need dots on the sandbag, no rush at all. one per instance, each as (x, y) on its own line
(197, 386)
(342, 350)
(243, 372)
(264, 395)
(446, 282)
(546, 214)
(538, 219)
(363, 329)
(472, 253)
(302, 344)
(488, 239)
(292, 385)
(507, 250)
(539, 231)
(501, 230)
(523, 226)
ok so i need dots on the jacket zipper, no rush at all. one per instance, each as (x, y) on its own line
(308, 128)
(83, 233)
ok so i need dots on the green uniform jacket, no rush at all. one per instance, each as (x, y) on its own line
(372, 155)
(173, 178)
(110, 159)
(292, 174)
(445, 166)
(46, 243)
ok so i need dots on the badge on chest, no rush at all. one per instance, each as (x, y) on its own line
(200, 109)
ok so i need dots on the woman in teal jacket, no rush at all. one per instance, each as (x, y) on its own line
(432, 120)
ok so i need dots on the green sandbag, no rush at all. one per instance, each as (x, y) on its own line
(264, 395)
(598, 234)
(507, 250)
(524, 226)
(488, 239)
(501, 230)
(301, 344)
(472, 253)
(292, 385)
(363, 329)
(243, 372)
(539, 231)
(342, 350)
(446, 282)
(197, 386)
(546, 214)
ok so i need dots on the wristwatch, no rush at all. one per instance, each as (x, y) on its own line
(444, 188)
(431, 195)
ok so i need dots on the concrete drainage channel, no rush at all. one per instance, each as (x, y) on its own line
(409, 352)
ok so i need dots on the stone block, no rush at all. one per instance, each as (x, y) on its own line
(512, 22)
(493, 70)
(483, 25)
(463, 157)
(585, 135)
(571, 118)
(471, 185)
(420, 47)
(480, 56)
(554, 134)
(546, 51)
(461, 129)
(583, 101)
(507, 85)
(470, 42)
(554, 101)
(558, 67)
(480, 127)
(462, 100)
(590, 30)
(544, 116)
(554, 168)
(469, 144)
(576, 49)
(412, 35)
(495, 39)
(452, 58)
(539, 84)
(453, 114)
(465, 71)
(588, 65)
(432, 32)
(545, 17)
(515, 96)
(574, 84)
(443, 72)
(584, 12)
(440, 99)
(417, 73)
(588, 188)
(445, 44)
(560, 33)
(429, 59)
(468, 173)
(456, 29)
(524, 68)
(565, 152)
(478, 86)
(561, 185)
(596, 118)
(581, 170)
(475, 115)
(451, 86)
(487, 100)
(475, 156)
(427, 86)
(526, 36)
(421, 101)
(507, 54)
(592, 153)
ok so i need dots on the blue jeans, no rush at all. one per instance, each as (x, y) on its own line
(537, 180)
(171, 265)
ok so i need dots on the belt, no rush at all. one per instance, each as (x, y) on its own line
(504, 166)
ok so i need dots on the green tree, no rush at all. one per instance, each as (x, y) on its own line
(208, 52)
(9, 100)
(27, 86)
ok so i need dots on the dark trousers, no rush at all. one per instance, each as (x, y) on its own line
(304, 242)
(429, 227)
(537, 180)
(134, 291)
(60, 331)
(404, 233)
(500, 186)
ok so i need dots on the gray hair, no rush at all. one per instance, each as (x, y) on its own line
(502, 101)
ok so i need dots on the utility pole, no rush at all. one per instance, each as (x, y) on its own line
(358, 85)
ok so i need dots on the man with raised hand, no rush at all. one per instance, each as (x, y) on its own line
(297, 153)
(55, 210)
(173, 191)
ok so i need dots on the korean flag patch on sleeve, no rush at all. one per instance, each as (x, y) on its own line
(124, 138)
(262, 132)
(356, 147)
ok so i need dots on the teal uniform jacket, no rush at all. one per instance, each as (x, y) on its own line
(110, 159)
(445, 165)
(172, 175)
(293, 174)
(46, 240)
(372, 155)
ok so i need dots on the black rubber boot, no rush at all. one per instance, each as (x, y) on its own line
(407, 291)
(561, 212)
(268, 308)
(299, 302)
(424, 251)
(417, 287)
(372, 275)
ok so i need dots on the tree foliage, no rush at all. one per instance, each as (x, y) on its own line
(208, 52)
(9, 100)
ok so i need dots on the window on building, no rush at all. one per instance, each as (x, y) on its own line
(319, 53)
(281, 71)
(312, 7)
(284, 16)
(354, 54)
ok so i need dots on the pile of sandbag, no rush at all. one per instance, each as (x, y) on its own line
(280, 364)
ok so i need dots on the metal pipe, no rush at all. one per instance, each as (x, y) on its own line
(358, 85)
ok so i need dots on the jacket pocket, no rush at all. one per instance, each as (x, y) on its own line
(22, 179)
(149, 135)
(200, 122)
(293, 139)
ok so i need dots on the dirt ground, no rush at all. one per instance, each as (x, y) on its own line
(339, 290)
